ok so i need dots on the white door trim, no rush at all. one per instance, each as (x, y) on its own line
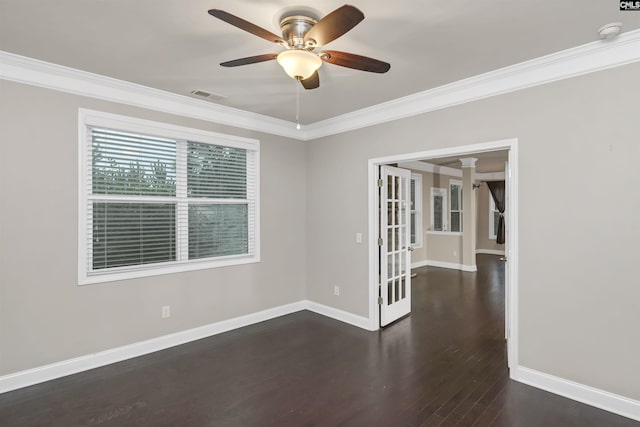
(505, 144)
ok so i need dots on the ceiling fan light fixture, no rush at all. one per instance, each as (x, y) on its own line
(299, 64)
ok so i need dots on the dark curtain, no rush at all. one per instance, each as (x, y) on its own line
(497, 192)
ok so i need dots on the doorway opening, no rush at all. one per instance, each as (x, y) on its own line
(390, 215)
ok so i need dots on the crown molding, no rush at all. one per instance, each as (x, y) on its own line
(588, 58)
(430, 167)
(34, 72)
(423, 166)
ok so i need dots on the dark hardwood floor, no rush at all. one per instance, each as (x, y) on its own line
(444, 365)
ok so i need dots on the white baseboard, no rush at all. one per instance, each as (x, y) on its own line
(95, 360)
(443, 264)
(617, 404)
(591, 396)
(90, 361)
(419, 264)
(343, 316)
(489, 252)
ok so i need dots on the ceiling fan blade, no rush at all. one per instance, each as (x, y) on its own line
(334, 25)
(312, 82)
(357, 62)
(250, 60)
(246, 25)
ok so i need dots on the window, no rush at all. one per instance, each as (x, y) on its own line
(158, 199)
(494, 217)
(438, 209)
(455, 212)
(416, 210)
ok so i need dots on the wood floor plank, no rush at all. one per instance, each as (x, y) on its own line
(444, 365)
(492, 410)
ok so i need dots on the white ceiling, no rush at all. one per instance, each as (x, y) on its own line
(176, 46)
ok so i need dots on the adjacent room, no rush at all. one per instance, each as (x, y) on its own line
(295, 213)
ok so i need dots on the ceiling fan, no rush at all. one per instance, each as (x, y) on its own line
(301, 35)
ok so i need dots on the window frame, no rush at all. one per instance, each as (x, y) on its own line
(444, 193)
(416, 210)
(457, 183)
(493, 235)
(90, 118)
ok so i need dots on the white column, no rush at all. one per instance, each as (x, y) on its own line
(468, 213)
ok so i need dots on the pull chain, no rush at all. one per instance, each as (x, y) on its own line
(298, 104)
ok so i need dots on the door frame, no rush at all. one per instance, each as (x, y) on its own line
(511, 308)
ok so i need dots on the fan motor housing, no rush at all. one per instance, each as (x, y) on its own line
(294, 28)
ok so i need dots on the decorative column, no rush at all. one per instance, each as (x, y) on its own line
(468, 214)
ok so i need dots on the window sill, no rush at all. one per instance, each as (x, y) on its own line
(112, 276)
(444, 233)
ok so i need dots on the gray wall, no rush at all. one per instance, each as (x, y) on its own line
(579, 302)
(444, 247)
(44, 316)
(436, 247)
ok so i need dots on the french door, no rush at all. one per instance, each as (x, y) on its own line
(394, 244)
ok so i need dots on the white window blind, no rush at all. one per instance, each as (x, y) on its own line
(130, 178)
(158, 204)
(219, 191)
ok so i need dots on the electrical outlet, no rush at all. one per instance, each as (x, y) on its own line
(358, 237)
(336, 290)
(455, 253)
(166, 311)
